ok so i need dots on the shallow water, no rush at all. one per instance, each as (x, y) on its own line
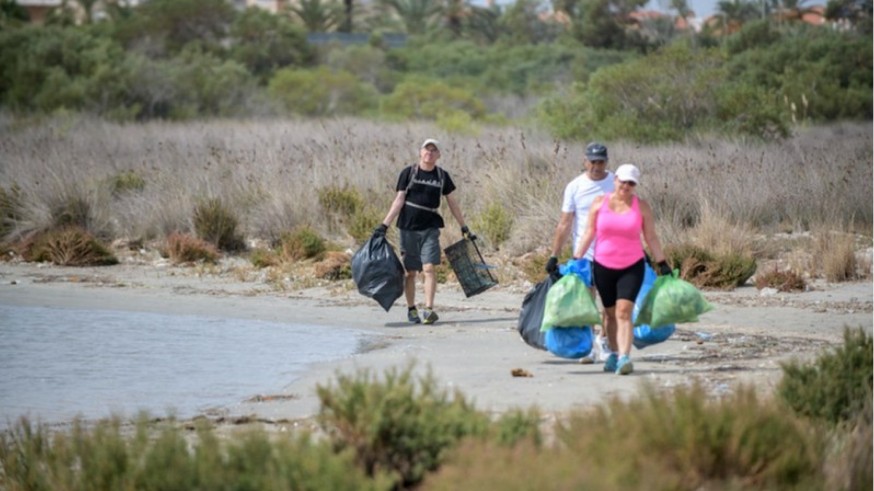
(56, 364)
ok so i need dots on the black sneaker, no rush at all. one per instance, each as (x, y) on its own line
(430, 316)
(413, 315)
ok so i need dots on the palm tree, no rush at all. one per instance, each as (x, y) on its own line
(317, 16)
(417, 16)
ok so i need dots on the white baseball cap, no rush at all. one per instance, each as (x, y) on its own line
(628, 172)
(431, 141)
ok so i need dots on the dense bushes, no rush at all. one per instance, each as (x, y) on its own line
(183, 60)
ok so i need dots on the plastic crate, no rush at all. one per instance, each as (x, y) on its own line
(469, 267)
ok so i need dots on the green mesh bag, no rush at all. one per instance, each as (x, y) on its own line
(671, 300)
(569, 304)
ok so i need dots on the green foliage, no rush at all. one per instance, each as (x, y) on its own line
(322, 92)
(655, 98)
(264, 42)
(361, 224)
(704, 269)
(163, 28)
(263, 258)
(69, 246)
(494, 223)
(401, 425)
(827, 74)
(163, 456)
(366, 62)
(48, 68)
(342, 201)
(421, 98)
(302, 243)
(126, 182)
(837, 387)
(216, 223)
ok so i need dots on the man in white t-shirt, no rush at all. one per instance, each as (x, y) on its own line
(595, 181)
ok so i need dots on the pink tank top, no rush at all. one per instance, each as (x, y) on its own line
(617, 235)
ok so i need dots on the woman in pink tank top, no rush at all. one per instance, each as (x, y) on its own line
(616, 223)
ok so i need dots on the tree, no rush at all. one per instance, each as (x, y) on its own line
(165, 27)
(733, 14)
(603, 23)
(856, 13)
(316, 15)
(416, 16)
(264, 42)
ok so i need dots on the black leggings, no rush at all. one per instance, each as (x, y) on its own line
(615, 284)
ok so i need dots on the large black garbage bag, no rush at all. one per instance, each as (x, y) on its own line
(377, 271)
(531, 316)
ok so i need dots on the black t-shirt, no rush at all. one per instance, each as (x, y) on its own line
(425, 191)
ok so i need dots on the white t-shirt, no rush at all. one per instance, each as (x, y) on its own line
(578, 197)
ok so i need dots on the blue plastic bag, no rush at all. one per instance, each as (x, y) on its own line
(579, 267)
(569, 342)
(645, 335)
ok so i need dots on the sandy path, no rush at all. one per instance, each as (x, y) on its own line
(475, 346)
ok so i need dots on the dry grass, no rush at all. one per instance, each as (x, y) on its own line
(722, 194)
(184, 248)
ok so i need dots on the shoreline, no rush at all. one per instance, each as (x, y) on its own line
(475, 347)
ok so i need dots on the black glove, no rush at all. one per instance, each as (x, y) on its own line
(465, 232)
(380, 230)
(552, 265)
(664, 269)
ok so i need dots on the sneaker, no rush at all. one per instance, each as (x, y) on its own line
(624, 367)
(603, 346)
(429, 316)
(413, 315)
(589, 359)
(610, 363)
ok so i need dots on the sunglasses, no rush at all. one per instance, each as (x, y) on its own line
(628, 183)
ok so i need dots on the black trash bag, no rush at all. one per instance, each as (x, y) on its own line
(377, 271)
(531, 316)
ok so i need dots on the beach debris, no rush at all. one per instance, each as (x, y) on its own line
(521, 372)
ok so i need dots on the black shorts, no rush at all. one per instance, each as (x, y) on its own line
(615, 284)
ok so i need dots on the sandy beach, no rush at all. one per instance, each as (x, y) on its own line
(475, 346)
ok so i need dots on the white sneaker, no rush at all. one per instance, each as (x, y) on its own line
(592, 357)
(603, 348)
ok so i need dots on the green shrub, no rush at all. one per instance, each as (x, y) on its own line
(683, 439)
(301, 243)
(494, 223)
(423, 98)
(216, 223)
(262, 258)
(342, 201)
(703, 269)
(362, 223)
(106, 455)
(125, 182)
(322, 92)
(837, 386)
(400, 425)
(69, 246)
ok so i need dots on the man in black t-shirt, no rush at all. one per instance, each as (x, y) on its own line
(417, 207)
